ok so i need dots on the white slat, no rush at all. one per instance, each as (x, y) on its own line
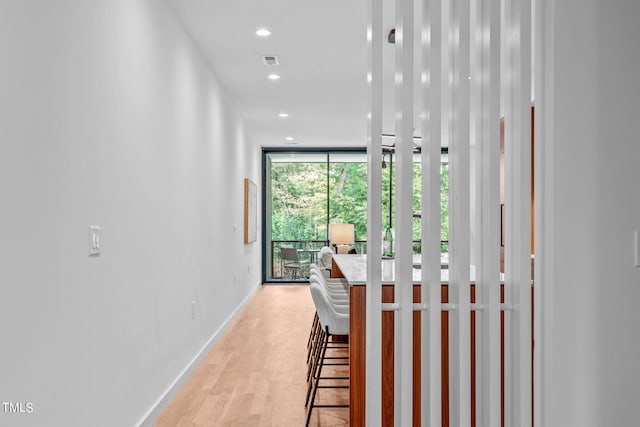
(404, 212)
(431, 323)
(488, 270)
(459, 196)
(518, 207)
(374, 220)
(508, 44)
(544, 225)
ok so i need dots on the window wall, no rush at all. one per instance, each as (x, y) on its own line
(388, 197)
(305, 191)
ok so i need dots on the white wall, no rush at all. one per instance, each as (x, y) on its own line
(596, 345)
(110, 117)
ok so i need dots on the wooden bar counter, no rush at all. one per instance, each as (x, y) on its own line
(353, 268)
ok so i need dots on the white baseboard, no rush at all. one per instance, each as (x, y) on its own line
(150, 417)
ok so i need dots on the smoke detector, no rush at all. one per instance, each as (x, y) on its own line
(270, 60)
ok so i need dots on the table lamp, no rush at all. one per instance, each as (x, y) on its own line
(341, 235)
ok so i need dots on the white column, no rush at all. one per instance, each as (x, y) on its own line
(375, 39)
(404, 212)
(544, 226)
(459, 196)
(432, 85)
(488, 268)
(518, 207)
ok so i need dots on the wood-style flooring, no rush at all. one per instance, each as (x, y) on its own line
(256, 374)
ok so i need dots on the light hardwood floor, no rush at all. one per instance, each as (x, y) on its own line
(256, 374)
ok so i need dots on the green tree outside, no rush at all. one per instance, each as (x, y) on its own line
(300, 207)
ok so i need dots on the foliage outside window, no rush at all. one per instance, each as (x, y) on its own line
(308, 191)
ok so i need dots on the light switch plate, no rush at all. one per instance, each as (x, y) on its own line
(94, 240)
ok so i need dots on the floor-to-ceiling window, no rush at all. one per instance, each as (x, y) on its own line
(388, 197)
(306, 190)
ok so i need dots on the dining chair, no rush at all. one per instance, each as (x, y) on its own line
(292, 263)
(324, 260)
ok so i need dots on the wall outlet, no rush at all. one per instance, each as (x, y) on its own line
(636, 248)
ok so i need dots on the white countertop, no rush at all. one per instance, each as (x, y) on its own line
(354, 269)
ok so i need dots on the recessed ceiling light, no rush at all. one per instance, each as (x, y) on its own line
(274, 76)
(263, 32)
(283, 115)
(289, 138)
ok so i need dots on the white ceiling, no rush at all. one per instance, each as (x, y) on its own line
(321, 46)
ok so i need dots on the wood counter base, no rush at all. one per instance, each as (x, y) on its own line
(357, 356)
(357, 332)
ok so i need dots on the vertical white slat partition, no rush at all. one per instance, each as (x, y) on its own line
(518, 210)
(403, 322)
(544, 229)
(465, 45)
(488, 269)
(374, 220)
(430, 321)
(459, 221)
